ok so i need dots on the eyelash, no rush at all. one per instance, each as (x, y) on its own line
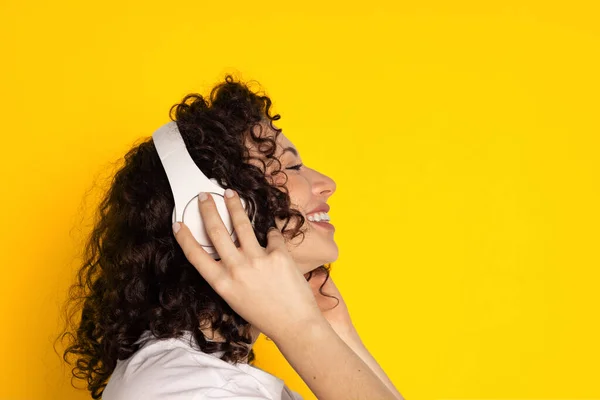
(296, 167)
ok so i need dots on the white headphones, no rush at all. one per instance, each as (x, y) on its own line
(186, 181)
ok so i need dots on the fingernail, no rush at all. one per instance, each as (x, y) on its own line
(228, 193)
(176, 227)
(202, 196)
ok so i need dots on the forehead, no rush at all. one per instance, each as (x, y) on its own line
(283, 143)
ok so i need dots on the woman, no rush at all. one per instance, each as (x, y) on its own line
(163, 320)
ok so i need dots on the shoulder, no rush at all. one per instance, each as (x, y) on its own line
(170, 369)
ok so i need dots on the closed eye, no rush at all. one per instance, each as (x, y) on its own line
(296, 167)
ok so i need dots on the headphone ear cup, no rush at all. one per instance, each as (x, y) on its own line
(193, 220)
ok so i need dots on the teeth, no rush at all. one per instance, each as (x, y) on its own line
(317, 217)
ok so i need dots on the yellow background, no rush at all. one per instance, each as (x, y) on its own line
(463, 138)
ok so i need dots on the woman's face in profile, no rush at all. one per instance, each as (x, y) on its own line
(309, 190)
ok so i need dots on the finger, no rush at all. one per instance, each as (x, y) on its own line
(242, 225)
(210, 270)
(275, 240)
(217, 232)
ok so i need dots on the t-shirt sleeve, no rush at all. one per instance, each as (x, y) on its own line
(178, 374)
(232, 390)
(181, 389)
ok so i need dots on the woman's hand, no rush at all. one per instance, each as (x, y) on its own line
(337, 316)
(263, 285)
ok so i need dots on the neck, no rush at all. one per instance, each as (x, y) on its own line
(255, 333)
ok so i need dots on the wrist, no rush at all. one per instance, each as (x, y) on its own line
(307, 327)
(348, 333)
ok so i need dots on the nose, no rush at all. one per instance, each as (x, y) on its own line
(323, 185)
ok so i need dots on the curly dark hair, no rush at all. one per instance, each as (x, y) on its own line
(135, 276)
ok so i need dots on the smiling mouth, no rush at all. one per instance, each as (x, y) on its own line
(323, 224)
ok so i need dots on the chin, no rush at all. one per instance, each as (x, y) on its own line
(306, 267)
(312, 254)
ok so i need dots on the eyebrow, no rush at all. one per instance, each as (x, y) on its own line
(290, 149)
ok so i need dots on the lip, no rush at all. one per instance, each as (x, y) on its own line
(322, 208)
(324, 225)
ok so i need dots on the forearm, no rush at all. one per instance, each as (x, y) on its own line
(352, 339)
(328, 366)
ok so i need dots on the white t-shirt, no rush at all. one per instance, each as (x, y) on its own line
(170, 369)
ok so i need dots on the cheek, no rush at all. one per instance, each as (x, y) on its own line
(277, 180)
(299, 191)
